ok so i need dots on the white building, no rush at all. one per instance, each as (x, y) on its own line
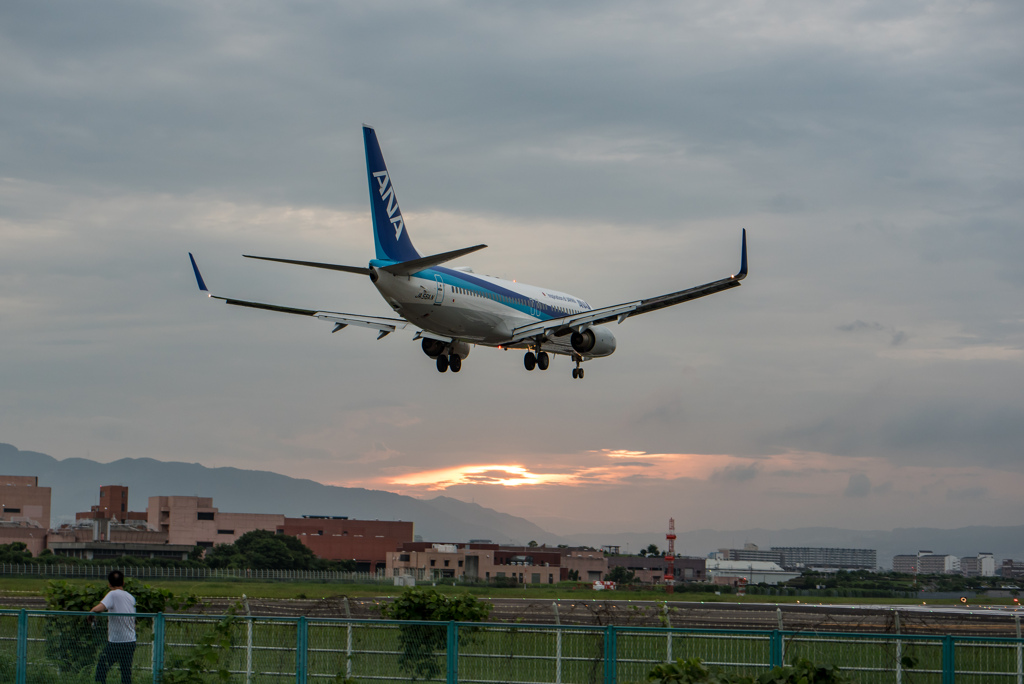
(982, 565)
(755, 572)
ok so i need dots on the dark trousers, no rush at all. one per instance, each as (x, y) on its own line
(121, 653)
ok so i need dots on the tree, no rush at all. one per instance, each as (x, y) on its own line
(532, 544)
(652, 550)
(421, 643)
(263, 550)
(15, 552)
(620, 574)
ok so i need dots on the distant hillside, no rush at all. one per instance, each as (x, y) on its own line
(75, 484)
(1004, 542)
(76, 481)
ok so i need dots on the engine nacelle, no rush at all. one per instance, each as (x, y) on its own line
(460, 349)
(434, 348)
(596, 341)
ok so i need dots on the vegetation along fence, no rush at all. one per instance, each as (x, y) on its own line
(49, 646)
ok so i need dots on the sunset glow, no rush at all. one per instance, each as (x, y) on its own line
(504, 475)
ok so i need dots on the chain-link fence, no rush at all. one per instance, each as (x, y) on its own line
(59, 570)
(62, 647)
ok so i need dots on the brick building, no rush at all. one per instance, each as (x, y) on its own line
(488, 562)
(24, 512)
(113, 505)
(652, 569)
(367, 542)
(193, 520)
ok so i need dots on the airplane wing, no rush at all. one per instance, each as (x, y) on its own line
(620, 312)
(385, 326)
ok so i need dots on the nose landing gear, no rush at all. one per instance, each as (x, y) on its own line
(577, 372)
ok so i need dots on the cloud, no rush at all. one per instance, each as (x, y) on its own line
(605, 151)
(859, 486)
(736, 473)
(898, 337)
(966, 493)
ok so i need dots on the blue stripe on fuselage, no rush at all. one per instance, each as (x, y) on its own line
(468, 281)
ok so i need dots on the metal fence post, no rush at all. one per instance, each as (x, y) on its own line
(899, 647)
(610, 653)
(948, 660)
(301, 650)
(158, 648)
(453, 652)
(248, 640)
(668, 623)
(1020, 663)
(21, 670)
(775, 649)
(558, 644)
(348, 639)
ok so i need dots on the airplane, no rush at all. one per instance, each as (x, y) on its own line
(454, 309)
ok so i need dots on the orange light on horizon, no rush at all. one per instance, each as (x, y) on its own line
(504, 475)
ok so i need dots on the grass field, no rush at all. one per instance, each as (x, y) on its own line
(22, 586)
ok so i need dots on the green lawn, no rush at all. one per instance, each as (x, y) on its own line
(21, 586)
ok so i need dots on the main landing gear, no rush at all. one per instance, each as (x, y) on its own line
(445, 362)
(539, 360)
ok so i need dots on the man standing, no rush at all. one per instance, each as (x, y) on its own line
(120, 647)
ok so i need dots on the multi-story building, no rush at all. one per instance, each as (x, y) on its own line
(982, 565)
(585, 564)
(524, 564)
(24, 512)
(749, 552)
(825, 557)
(1011, 569)
(113, 505)
(193, 520)
(926, 563)
(23, 500)
(367, 542)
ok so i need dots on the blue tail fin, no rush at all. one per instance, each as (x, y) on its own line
(389, 232)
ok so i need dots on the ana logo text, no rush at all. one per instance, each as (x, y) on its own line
(387, 194)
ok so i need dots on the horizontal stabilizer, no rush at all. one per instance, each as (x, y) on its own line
(316, 264)
(406, 268)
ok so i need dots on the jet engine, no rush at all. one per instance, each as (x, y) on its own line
(434, 348)
(596, 341)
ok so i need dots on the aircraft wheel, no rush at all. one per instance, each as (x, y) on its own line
(455, 363)
(575, 373)
(442, 363)
(530, 361)
(543, 361)
(581, 373)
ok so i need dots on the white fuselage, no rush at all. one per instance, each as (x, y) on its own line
(472, 307)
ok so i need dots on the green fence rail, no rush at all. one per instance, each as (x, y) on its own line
(64, 647)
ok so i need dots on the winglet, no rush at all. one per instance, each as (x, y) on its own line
(743, 259)
(199, 277)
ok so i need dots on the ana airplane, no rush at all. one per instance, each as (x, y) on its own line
(454, 309)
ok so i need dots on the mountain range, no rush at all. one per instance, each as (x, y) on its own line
(75, 484)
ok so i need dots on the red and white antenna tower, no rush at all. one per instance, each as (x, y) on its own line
(670, 557)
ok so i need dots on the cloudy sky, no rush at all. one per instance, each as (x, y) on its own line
(869, 374)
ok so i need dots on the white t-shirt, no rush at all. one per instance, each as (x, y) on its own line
(120, 629)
